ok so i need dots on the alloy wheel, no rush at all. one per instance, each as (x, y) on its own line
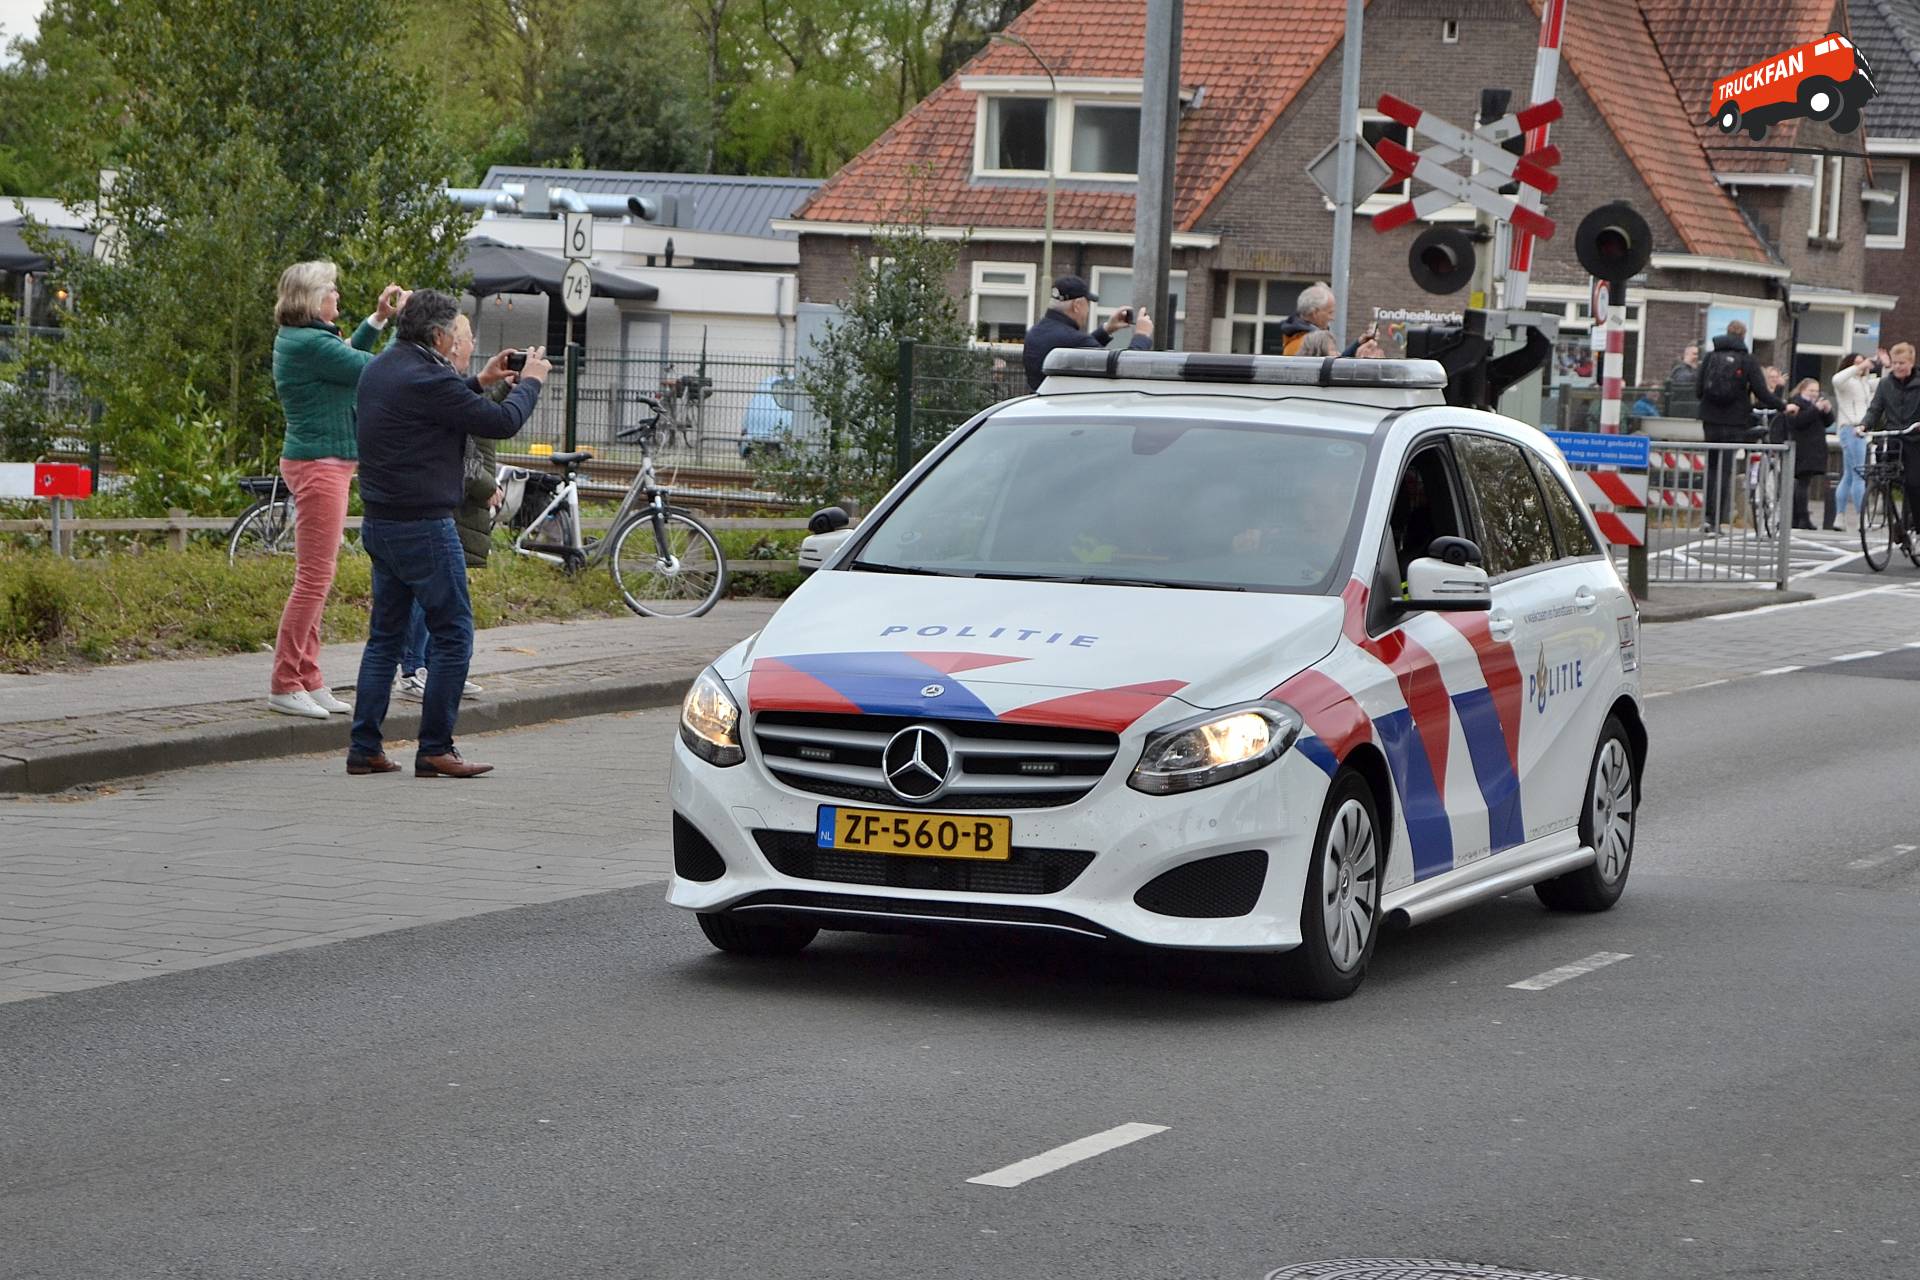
(1349, 885)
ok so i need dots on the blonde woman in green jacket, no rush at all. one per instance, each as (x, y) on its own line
(317, 375)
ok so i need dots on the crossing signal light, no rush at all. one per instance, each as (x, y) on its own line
(1441, 259)
(1614, 244)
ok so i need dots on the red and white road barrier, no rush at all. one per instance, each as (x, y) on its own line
(1675, 461)
(1612, 368)
(1612, 488)
(1622, 528)
(45, 480)
(1546, 76)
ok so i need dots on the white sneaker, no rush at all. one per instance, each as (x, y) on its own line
(412, 687)
(329, 703)
(297, 703)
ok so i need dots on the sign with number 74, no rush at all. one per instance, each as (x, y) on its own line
(576, 286)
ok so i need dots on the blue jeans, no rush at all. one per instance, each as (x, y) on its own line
(413, 651)
(1853, 454)
(415, 562)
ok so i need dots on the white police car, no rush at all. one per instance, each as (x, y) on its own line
(1234, 653)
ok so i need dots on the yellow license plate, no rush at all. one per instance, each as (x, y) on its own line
(923, 835)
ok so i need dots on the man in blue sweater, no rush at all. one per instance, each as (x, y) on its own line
(416, 411)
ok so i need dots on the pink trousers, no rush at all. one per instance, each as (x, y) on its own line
(319, 516)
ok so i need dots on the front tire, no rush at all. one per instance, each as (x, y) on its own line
(1876, 527)
(755, 937)
(1606, 827)
(1340, 910)
(1820, 98)
(686, 584)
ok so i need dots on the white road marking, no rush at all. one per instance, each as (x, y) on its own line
(1072, 1153)
(1554, 977)
(1855, 657)
(1779, 671)
(1898, 851)
(1803, 604)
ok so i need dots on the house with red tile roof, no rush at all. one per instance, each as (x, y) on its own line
(1259, 99)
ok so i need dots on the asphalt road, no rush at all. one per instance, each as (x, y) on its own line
(584, 1089)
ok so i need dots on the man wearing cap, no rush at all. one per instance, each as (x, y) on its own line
(1065, 325)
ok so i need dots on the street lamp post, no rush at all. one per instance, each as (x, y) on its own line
(1053, 101)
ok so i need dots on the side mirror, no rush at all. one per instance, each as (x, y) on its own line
(1435, 584)
(828, 519)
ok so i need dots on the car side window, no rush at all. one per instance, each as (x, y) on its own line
(1426, 505)
(1569, 525)
(1515, 530)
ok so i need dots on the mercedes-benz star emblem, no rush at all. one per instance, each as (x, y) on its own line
(916, 762)
(932, 690)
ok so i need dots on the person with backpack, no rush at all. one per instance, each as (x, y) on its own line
(1731, 381)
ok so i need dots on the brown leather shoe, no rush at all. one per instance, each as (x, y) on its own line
(359, 766)
(449, 765)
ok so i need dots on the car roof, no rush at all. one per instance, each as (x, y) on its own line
(1215, 404)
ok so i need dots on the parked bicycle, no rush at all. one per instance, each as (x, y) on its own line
(1764, 479)
(1883, 516)
(681, 406)
(266, 527)
(665, 562)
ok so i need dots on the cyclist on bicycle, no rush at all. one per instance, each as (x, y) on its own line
(1731, 381)
(1895, 407)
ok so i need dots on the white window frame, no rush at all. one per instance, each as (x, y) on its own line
(980, 168)
(1574, 305)
(1836, 180)
(1103, 310)
(999, 289)
(1449, 31)
(1254, 318)
(1899, 239)
(1829, 174)
(1061, 112)
(1816, 204)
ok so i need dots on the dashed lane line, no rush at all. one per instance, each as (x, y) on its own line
(1554, 977)
(1867, 864)
(1855, 657)
(1779, 671)
(1071, 1153)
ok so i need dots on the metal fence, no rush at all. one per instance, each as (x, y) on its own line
(1752, 518)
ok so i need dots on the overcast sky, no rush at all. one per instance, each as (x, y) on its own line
(17, 18)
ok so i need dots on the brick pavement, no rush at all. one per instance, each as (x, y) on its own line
(203, 866)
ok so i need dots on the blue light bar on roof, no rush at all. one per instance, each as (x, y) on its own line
(1207, 366)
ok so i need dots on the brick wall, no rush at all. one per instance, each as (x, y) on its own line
(1897, 271)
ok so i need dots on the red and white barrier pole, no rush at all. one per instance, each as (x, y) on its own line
(1546, 76)
(1612, 367)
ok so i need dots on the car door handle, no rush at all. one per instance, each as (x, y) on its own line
(1584, 600)
(1500, 627)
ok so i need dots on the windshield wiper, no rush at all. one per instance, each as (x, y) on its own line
(868, 566)
(1156, 582)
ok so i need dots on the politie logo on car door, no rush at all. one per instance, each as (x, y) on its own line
(1549, 680)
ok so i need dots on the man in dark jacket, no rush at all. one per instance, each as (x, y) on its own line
(1895, 407)
(1065, 325)
(1683, 383)
(1728, 419)
(416, 412)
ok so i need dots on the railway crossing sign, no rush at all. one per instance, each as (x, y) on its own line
(1369, 171)
(576, 236)
(1494, 165)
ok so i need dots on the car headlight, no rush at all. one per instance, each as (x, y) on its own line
(710, 721)
(1223, 746)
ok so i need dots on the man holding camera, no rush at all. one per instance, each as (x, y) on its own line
(1065, 325)
(416, 410)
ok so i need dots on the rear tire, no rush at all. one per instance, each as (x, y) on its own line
(755, 937)
(1607, 824)
(264, 529)
(1340, 910)
(1729, 118)
(687, 589)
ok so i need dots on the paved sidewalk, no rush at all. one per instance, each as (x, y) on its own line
(118, 722)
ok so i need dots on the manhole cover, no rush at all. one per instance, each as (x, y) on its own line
(1406, 1269)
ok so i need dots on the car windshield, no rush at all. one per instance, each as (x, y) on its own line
(1192, 503)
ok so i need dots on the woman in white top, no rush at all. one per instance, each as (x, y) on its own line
(1853, 388)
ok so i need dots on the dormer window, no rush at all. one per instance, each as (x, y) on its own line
(1090, 130)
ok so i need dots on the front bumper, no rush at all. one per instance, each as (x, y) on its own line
(1133, 838)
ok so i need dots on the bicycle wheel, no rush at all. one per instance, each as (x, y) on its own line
(1876, 527)
(264, 529)
(682, 584)
(1762, 499)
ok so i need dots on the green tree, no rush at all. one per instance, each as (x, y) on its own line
(852, 379)
(631, 96)
(249, 137)
(57, 76)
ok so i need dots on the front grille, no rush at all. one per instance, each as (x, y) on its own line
(1207, 888)
(998, 766)
(881, 911)
(797, 854)
(694, 857)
